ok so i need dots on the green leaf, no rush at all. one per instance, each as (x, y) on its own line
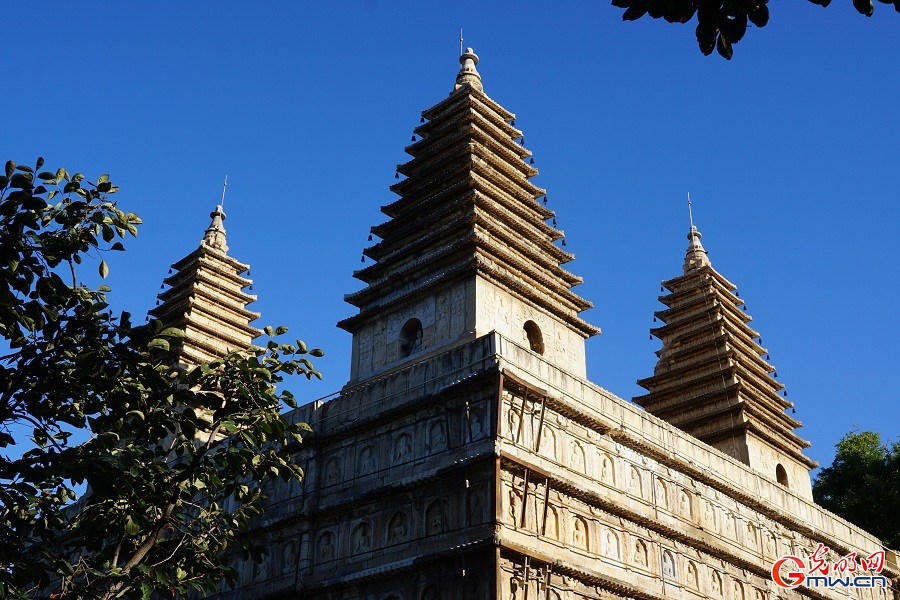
(103, 178)
(10, 168)
(136, 414)
(131, 527)
(171, 332)
(104, 269)
(40, 162)
(158, 344)
(316, 352)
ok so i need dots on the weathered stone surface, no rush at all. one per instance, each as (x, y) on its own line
(488, 468)
(469, 457)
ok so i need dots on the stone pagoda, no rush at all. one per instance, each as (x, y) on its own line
(205, 298)
(467, 249)
(711, 380)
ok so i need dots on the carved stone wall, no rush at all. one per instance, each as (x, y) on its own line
(485, 471)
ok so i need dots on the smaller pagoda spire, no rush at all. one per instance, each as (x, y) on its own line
(467, 71)
(215, 233)
(205, 299)
(711, 380)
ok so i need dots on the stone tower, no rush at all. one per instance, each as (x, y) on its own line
(206, 300)
(467, 249)
(470, 459)
(711, 380)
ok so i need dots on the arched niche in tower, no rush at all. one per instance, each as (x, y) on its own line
(781, 475)
(410, 337)
(535, 337)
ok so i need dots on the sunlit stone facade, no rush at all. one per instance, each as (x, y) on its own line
(470, 458)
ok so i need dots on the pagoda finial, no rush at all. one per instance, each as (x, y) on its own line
(215, 233)
(467, 71)
(696, 256)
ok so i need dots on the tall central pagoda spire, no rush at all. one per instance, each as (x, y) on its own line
(711, 380)
(466, 249)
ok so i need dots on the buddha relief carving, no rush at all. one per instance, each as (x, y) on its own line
(668, 565)
(402, 448)
(610, 544)
(476, 424)
(365, 464)
(548, 443)
(436, 515)
(333, 470)
(639, 556)
(476, 507)
(361, 538)
(580, 538)
(261, 569)
(288, 557)
(397, 528)
(551, 525)
(326, 546)
(685, 505)
(607, 472)
(437, 437)
(693, 576)
(709, 515)
(662, 494)
(576, 458)
(715, 583)
(635, 485)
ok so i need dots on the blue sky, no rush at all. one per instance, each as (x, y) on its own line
(789, 152)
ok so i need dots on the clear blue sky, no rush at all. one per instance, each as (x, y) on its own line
(789, 151)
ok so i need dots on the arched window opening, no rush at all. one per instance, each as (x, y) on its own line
(411, 337)
(535, 338)
(781, 476)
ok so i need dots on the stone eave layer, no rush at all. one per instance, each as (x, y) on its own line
(206, 300)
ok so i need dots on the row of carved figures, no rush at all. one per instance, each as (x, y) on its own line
(628, 474)
(405, 445)
(399, 526)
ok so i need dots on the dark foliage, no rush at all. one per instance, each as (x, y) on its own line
(862, 485)
(720, 23)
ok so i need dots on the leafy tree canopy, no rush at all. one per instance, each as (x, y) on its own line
(720, 23)
(862, 485)
(173, 460)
